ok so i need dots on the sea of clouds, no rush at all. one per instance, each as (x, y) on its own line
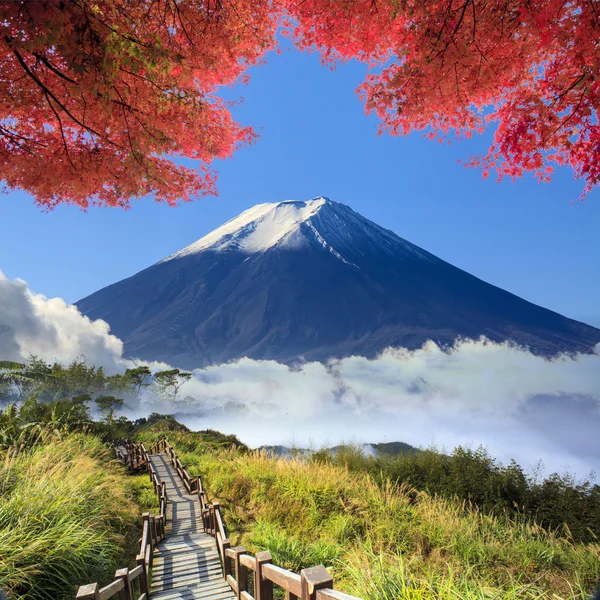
(516, 404)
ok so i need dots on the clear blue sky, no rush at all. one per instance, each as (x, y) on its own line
(316, 140)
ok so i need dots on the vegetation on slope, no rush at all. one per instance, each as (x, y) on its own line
(399, 525)
(69, 515)
(557, 502)
(385, 541)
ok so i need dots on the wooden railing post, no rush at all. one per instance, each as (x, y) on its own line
(216, 511)
(241, 571)
(212, 521)
(127, 592)
(313, 579)
(91, 591)
(226, 559)
(153, 530)
(140, 560)
(263, 588)
(146, 517)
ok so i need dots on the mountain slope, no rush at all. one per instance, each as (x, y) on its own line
(314, 280)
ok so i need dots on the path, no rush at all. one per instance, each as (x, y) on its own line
(186, 565)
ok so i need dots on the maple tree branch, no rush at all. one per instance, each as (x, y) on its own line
(53, 68)
(124, 106)
(62, 132)
(14, 138)
(592, 4)
(462, 16)
(565, 120)
(48, 92)
(573, 85)
(179, 17)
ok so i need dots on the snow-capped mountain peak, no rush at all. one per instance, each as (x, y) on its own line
(258, 228)
(316, 280)
(296, 224)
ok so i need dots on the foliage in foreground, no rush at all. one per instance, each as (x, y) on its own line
(69, 515)
(384, 541)
(106, 93)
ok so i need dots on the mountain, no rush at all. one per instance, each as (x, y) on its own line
(383, 449)
(313, 280)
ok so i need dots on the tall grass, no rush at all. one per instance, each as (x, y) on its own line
(67, 517)
(385, 541)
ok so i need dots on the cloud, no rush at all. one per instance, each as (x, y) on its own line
(517, 404)
(51, 329)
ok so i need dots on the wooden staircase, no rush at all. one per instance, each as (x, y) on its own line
(186, 565)
(185, 553)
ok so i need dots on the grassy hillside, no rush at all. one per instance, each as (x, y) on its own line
(383, 541)
(69, 515)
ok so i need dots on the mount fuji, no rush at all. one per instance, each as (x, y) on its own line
(313, 280)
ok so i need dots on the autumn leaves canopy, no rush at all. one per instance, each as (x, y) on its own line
(99, 96)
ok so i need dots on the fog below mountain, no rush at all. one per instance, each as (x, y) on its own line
(516, 404)
(475, 394)
(561, 432)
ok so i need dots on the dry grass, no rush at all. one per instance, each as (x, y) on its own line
(67, 517)
(387, 542)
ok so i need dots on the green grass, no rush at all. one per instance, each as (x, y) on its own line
(69, 515)
(384, 541)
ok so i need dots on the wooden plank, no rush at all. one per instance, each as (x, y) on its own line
(192, 594)
(134, 573)
(204, 573)
(182, 559)
(192, 559)
(214, 581)
(187, 578)
(329, 594)
(204, 588)
(232, 584)
(285, 579)
(219, 519)
(111, 589)
(248, 561)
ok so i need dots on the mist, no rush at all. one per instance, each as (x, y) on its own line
(514, 403)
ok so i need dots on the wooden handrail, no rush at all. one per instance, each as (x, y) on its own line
(312, 584)
(153, 531)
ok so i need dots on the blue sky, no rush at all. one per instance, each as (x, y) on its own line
(316, 140)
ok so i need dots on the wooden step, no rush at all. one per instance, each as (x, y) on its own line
(186, 565)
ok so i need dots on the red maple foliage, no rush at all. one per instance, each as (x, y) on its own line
(98, 94)
(530, 66)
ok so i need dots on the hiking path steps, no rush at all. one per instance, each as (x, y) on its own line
(186, 565)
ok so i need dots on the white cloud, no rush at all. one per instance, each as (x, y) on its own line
(51, 329)
(518, 404)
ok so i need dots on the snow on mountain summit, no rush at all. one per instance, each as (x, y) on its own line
(292, 224)
(258, 228)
